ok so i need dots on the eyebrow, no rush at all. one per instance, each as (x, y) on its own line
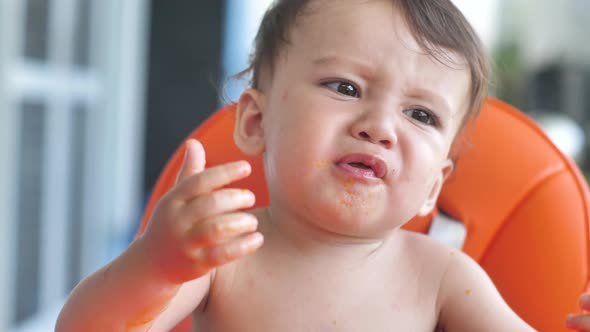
(365, 68)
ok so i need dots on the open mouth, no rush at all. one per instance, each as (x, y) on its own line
(360, 165)
(364, 165)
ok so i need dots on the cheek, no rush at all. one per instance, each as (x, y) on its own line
(424, 153)
(299, 134)
(421, 167)
(288, 156)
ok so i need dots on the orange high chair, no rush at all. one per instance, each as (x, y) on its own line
(525, 207)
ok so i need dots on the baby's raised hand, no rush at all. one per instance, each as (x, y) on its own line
(581, 322)
(196, 226)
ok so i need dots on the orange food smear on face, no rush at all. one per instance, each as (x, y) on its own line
(468, 292)
(349, 182)
(348, 185)
(345, 203)
(321, 164)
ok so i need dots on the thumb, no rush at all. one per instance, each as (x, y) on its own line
(194, 160)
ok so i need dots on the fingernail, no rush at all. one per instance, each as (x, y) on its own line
(186, 148)
(255, 241)
(247, 194)
(244, 167)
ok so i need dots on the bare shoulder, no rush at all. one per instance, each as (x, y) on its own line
(434, 256)
(424, 249)
(424, 261)
(469, 300)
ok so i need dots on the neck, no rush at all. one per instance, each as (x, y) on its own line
(306, 239)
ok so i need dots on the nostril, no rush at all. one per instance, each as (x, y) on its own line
(364, 134)
(386, 143)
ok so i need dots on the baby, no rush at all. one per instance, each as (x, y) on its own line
(355, 106)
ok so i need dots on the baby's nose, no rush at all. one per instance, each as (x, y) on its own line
(375, 132)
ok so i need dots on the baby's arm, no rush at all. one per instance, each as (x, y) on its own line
(469, 301)
(581, 322)
(128, 295)
(165, 273)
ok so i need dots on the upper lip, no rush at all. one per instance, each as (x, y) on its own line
(375, 162)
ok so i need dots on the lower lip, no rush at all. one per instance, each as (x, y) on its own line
(357, 173)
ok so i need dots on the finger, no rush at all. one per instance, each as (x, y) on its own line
(194, 160)
(221, 228)
(212, 178)
(216, 203)
(585, 301)
(578, 322)
(228, 251)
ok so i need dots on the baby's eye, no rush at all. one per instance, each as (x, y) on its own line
(345, 88)
(423, 116)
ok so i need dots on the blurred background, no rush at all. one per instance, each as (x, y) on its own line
(95, 95)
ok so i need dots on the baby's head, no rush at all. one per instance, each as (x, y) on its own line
(357, 103)
(437, 26)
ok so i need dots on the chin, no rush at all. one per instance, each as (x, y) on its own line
(351, 220)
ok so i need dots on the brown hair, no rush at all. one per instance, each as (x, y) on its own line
(437, 25)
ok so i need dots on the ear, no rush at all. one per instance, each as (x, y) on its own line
(248, 130)
(432, 198)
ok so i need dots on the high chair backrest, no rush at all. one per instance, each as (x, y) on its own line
(524, 204)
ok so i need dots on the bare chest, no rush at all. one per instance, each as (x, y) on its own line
(281, 299)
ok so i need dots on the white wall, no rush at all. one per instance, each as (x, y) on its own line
(111, 90)
(548, 31)
(483, 16)
(7, 165)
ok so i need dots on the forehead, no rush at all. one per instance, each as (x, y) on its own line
(322, 19)
(361, 25)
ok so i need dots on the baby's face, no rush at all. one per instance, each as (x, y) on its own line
(358, 121)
